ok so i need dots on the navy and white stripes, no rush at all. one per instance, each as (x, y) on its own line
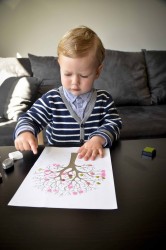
(63, 124)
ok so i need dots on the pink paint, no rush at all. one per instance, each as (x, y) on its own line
(55, 191)
(75, 193)
(47, 171)
(103, 173)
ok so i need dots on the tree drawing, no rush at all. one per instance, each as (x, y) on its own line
(69, 180)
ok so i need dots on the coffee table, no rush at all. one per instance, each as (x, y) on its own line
(138, 223)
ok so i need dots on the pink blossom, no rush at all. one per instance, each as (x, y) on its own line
(75, 193)
(55, 191)
(47, 171)
(103, 173)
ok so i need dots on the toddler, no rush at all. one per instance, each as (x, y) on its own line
(76, 112)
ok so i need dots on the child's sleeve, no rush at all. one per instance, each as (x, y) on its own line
(35, 119)
(112, 123)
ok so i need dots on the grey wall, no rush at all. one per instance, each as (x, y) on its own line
(36, 26)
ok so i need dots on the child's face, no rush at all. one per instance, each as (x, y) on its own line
(78, 74)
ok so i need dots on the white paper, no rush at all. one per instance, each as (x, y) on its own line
(53, 183)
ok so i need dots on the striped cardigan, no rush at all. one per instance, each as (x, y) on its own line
(63, 124)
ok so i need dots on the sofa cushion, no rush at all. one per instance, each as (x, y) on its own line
(124, 76)
(45, 67)
(17, 95)
(156, 68)
(14, 67)
(47, 85)
(143, 121)
(6, 132)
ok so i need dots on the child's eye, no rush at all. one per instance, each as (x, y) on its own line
(67, 74)
(84, 76)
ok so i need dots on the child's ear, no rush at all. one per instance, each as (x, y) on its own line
(99, 69)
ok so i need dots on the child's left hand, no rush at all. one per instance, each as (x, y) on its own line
(92, 148)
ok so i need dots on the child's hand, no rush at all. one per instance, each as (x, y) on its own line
(92, 148)
(26, 141)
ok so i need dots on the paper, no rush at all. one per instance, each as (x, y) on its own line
(59, 179)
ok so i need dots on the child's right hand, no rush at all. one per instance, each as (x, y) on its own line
(26, 141)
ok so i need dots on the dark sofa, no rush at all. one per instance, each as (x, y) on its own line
(136, 80)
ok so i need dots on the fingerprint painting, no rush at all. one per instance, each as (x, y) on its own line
(70, 179)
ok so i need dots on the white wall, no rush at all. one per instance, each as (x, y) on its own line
(35, 26)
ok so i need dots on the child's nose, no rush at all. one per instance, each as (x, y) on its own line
(75, 79)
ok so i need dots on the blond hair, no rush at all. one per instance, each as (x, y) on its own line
(78, 42)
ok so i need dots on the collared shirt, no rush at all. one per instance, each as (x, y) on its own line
(78, 103)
